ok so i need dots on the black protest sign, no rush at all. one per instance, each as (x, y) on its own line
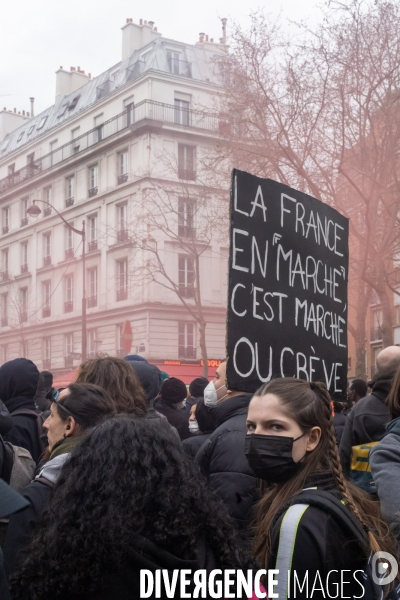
(287, 296)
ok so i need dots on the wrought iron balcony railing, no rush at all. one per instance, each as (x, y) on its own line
(69, 253)
(47, 211)
(146, 110)
(69, 202)
(122, 178)
(122, 235)
(24, 268)
(92, 301)
(46, 312)
(93, 246)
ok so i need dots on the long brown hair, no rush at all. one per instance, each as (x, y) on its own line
(117, 377)
(311, 407)
(393, 399)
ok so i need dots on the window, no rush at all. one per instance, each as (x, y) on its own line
(186, 276)
(187, 348)
(69, 243)
(130, 111)
(47, 197)
(92, 287)
(63, 110)
(181, 113)
(374, 356)
(74, 135)
(30, 130)
(46, 299)
(24, 257)
(74, 102)
(4, 309)
(70, 191)
(92, 343)
(122, 223)
(11, 169)
(21, 135)
(186, 160)
(69, 348)
(30, 158)
(24, 213)
(376, 331)
(122, 167)
(6, 219)
(42, 123)
(93, 176)
(122, 279)
(98, 123)
(186, 208)
(53, 147)
(92, 233)
(47, 353)
(23, 304)
(46, 249)
(173, 62)
(4, 264)
(69, 293)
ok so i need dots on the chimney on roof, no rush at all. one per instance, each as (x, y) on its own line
(69, 81)
(224, 22)
(136, 36)
(32, 107)
(201, 37)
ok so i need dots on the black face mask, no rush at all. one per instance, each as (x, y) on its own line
(270, 456)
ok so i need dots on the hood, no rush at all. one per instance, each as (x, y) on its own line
(19, 378)
(238, 405)
(382, 387)
(149, 375)
(6, 421)
(52, 469)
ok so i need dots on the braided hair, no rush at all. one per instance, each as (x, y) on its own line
(310, 406)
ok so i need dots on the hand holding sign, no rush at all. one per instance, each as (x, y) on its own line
(287, 298)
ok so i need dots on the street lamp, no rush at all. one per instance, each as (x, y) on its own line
(35, 211)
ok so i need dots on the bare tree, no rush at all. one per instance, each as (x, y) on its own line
(318, 110)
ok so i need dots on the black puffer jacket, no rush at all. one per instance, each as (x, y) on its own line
(19, 380)
(366, 421)
(223, 461)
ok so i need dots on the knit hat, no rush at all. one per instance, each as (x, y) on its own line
(197, 387)
(173, 391)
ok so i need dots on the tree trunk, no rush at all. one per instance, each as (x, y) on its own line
(363, 296)
(203, 346)
(387, 325)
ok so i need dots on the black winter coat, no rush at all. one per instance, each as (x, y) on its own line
(366, 421)
(175, 417)
(193, 444)
(223, 461)
(19, 380)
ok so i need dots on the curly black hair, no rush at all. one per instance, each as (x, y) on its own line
(128, 476)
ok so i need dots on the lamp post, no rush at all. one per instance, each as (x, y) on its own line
(35, 211)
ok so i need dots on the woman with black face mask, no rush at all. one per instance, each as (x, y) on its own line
(315, 527)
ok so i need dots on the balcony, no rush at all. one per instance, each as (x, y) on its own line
(93, 192)
(92, 301)
(5, 275)
(186, 291)
(5, 230)
(47, 211)
(46, 364)
(24, 221)
(24, 317)
(69, 253)
(187, 174)
(69, 202)
(68, 306)
(24, 268)
(375, 334)
(122, 178)
(147, 110)
(122, 235)
(46, 312)
(187, 352)
(185, 231)
(122, 294)
(69, 361)
(47, 261)
(4, 321)
(93, 245)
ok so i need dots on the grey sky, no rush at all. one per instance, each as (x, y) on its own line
(36, 38)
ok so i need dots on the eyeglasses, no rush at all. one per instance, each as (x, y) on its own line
(65, 409)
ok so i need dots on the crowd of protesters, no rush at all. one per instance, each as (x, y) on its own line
(129, 469)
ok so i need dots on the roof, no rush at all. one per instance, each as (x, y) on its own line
(152, 57)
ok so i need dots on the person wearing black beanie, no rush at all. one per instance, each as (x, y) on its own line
(196, 391)
(205, 420)
(173, 392)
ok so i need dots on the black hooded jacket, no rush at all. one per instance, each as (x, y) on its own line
(223, 461)
(19, 380)
(366, 421)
